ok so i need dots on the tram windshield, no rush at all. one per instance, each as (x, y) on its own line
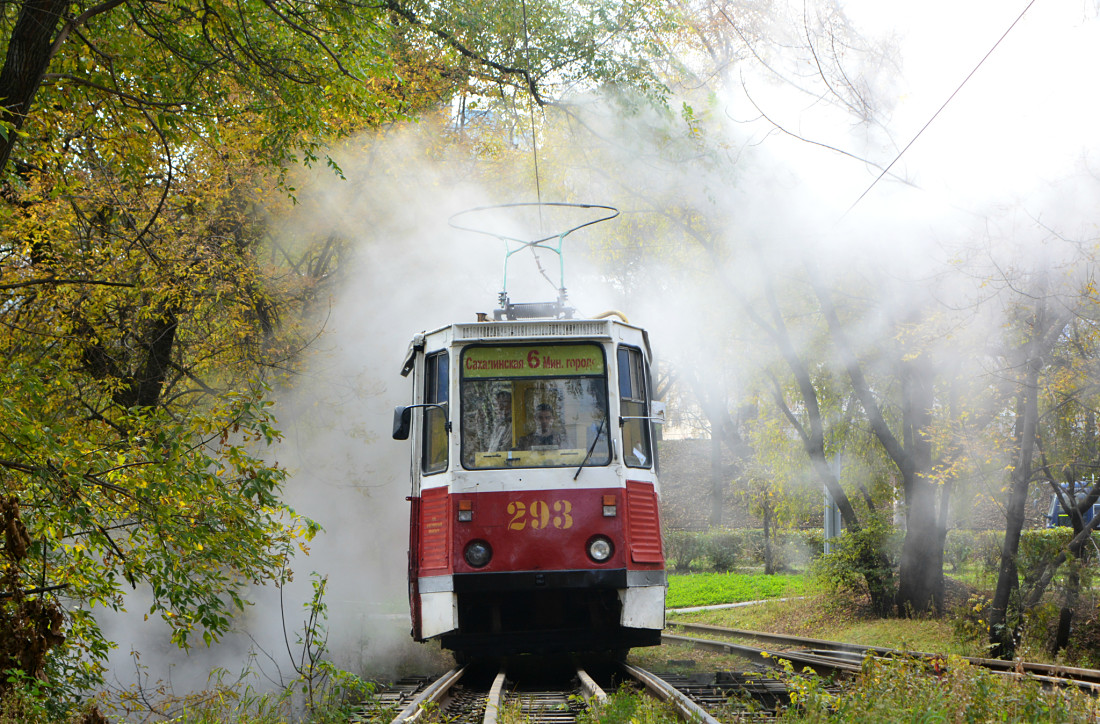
(529, 406)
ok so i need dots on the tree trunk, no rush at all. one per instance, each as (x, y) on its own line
(874, 564)
(1065, 616)
(25, 64)
(1076, 511)
(723, 431)
(144, 387)
(717, 481)
(920, 570)
(1001, 635)
(769, 564)
(920, 574)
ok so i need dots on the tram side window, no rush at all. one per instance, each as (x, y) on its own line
(632, 403)
(435, 419)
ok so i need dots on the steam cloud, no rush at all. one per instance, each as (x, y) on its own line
(1000, 168)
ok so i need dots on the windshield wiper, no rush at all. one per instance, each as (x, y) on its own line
(591, 447)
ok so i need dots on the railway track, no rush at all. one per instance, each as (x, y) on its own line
(556, 691)
(843, 657)
(481, 691)
(556, 694)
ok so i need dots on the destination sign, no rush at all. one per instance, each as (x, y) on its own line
(559, 360)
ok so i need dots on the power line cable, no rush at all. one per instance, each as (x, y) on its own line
(937, 113)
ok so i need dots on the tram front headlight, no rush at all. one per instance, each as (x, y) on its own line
(478, 553)
(600, 549)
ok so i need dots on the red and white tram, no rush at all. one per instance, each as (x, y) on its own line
(535, 523)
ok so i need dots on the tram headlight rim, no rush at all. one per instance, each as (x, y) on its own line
(600, 548)
(478, 553)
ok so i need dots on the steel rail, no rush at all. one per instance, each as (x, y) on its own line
(494, 699)
(821, 664)
(1085, 679)
(688, 709)
(590, 690)
(431, 694)
(777, 638)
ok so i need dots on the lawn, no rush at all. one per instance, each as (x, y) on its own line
(888, 690)
(709, 589)
(807, 611)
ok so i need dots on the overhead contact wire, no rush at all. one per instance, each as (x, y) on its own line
(940, 110)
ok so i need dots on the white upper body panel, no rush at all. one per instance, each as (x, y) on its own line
(585, 399)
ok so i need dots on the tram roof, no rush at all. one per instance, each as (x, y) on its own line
(525, 329)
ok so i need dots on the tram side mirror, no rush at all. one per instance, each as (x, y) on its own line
(402, 422)
(657, 412)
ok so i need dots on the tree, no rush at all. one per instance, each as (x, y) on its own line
(871, 559)
(1067, 438)
(1045, 327)
(1049, 355)
(146, 304)
(178, 69)
(920, 575)
(678, 210)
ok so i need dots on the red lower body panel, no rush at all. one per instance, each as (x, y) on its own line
(541, 590)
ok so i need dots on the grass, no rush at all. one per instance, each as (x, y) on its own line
(815, 613)
(624, 706)
(909, 690)
(707, 589)
(887, 690)
(890, 690)
(823, 616)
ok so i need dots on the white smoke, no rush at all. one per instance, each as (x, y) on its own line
(1010, 164)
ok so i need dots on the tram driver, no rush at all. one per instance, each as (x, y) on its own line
(546, 435)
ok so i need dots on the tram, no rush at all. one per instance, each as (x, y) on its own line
(535, 505)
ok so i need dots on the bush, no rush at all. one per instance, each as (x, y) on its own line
(752, 546)
(1084, 640)
(796, 549)
(682, 547)
(724, 550)
(1038, 547)
(848, 568)
(983, 548)
(959, 548)
(813, 541)
(988, 553)
(969, 621)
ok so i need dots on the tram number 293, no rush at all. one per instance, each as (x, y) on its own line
(540, 514)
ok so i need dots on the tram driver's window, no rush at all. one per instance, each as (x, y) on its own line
(435, 418)
(632, 404)
(533, 406)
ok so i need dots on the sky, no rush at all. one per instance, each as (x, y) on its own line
(1023, 118)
